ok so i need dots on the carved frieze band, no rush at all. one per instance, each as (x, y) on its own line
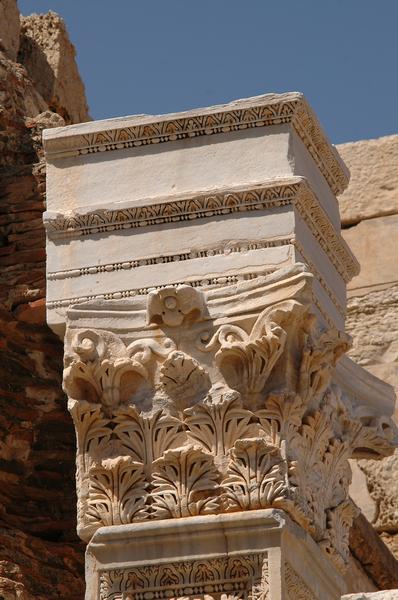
(224, 280)
(255, 199)
(295, 586)
(173, 211)
(238, 577)
(291, 108)
(167, 258)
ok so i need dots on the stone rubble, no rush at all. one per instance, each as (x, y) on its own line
(50, 60)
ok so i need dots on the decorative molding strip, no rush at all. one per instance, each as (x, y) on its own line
(162, 259)
(262, 111)
(167, 258)
(329, 239)
(238, 576)
(173, 211)
(223, 280)
(272, 195)
(320, 279)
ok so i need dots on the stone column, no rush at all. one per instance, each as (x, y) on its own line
(196, 269)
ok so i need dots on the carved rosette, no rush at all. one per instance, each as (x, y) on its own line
(245, 418)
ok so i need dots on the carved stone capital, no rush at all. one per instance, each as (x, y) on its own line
(215, 403)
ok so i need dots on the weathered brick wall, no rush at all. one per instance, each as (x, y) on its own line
(40, 555)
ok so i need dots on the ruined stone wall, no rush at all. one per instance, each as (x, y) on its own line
(40, 556)
(369, 211)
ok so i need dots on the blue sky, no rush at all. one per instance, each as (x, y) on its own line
(157, 56)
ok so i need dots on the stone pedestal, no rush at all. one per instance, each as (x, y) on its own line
(197, 272)
(258, 554)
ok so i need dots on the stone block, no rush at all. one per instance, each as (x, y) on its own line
(372, 322)
(374, 556)
(383, 487)
(240, 190)
(373, 188)
(373, 243)
(258, 554)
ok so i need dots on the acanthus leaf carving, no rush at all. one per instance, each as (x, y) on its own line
(256, 476)
(376, 434)
(101, 369)
(336, 541)
(309, 448)
(281, 417)
(93, 436)
(91, 426)
(146, 437)
(318, 361)
(185, 483)
(217, 423)
(117, 492)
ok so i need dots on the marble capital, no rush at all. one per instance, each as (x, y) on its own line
(197, 274)
(189, 403)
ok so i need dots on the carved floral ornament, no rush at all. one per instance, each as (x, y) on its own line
(242, 417)
(237, 577)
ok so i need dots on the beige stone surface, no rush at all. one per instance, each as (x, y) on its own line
(9, 28)
(374, 243)
(388, 372)
(382, 483)
(180, 422)
(391, 541)
(373, 555)
(202, 377)
(383, 595)
(373, 187)
(360, 494)
(372, 321)
(50, 59)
